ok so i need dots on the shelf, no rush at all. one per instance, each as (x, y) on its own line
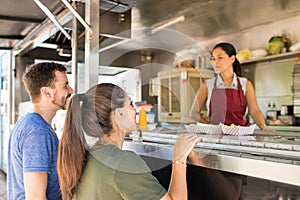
(282, 56)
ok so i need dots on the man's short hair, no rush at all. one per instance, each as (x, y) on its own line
(40, 75)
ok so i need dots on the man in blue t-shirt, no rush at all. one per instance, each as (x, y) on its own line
(33, 144)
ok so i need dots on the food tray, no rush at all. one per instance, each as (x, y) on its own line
(192, 128)
(238, 130)
(209, 128)
(204, 128)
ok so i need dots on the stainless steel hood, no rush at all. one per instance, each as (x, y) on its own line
(204, 19)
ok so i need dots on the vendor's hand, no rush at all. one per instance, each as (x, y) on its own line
(265, 128)
(184, 146)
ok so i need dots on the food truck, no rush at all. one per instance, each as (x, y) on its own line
(159, 52)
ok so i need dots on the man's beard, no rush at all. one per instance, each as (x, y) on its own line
(60, 105)
(64, 103)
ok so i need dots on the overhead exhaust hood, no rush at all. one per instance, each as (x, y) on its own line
(114, 6)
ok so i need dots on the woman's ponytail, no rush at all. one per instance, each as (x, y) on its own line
(72, 149)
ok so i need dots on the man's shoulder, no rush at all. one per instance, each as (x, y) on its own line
(33, 117)
(32, 120)
(30, 124)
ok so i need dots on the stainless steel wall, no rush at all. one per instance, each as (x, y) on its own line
(272, 81)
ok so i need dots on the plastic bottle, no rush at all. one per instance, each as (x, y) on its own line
(271, 112)
(274, 106)
(269, 105)
(143, 120)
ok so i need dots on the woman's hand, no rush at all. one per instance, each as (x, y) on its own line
(184, 146)
(265, 128)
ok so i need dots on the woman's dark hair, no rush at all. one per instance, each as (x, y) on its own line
(89, 114)
(230, 51)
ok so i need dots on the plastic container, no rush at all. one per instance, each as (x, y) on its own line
(295, 47)
(147, 107)
(192, 128)
(210, 128)
(150, 117)
(203, 128)
(238, 130)
(275, 45)
(152, 126)
(278, 45)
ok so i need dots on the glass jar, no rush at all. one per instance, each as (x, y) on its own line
(278, 45)
(275, 45)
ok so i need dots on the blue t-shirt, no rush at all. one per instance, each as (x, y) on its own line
(33, 147)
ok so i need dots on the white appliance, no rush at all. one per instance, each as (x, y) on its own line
(176, 93)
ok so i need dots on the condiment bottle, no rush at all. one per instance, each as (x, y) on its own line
(143, 120)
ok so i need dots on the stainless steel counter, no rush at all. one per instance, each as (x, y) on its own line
(273, 156)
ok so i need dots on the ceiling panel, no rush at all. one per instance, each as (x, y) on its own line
(19, 17)
(15, 28)
(27, 8)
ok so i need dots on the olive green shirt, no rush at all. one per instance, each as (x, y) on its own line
(113, 174)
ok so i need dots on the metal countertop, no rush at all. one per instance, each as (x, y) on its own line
(271, 156)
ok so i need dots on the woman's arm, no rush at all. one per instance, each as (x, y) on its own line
(198, 103)
(254, 110)
(182, 148)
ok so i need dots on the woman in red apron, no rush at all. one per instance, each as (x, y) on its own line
(228, 95)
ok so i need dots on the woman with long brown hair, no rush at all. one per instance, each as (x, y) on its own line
(91, 162)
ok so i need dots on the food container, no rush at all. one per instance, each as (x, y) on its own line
(150, 117)
(209, 128)
(275, 45)
(151, 126)
(258, 53)
(147, 107)
(278, 44)
(192, 128)
(204, 128)
(271, 115)
(286, 120)
(295, 47)
(284, 110)
(238, 130)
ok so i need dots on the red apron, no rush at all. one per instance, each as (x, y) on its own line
(228, 106)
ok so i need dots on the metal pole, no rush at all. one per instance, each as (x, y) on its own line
(75, 13)
(92, 44)
(52, 18)
(75, 51)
